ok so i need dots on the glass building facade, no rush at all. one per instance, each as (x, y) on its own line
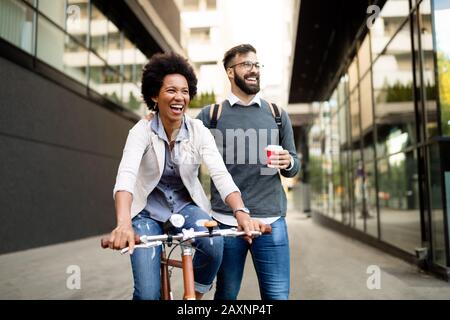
(70, 93)
(77, 39)
(379, 147)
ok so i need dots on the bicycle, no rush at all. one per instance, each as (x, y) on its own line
(184, 240)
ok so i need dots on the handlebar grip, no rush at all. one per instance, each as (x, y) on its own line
(104, 242)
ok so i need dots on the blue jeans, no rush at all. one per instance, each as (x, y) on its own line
(146, 262)
(270, 254)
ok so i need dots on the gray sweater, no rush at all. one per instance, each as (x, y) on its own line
(242, 133)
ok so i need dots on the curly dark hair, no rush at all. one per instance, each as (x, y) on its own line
(160, 65)
(233, 52)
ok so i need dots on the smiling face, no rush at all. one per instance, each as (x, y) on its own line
(173, 98)
(247, 80)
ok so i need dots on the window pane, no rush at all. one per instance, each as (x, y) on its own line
(105, 80)
(129, 60)
(61, 51)
(370, 195)
(426, 84)
(318, 198)
(394, 97)
(359, 190)
(99, 33)
(50, 44)
(366, 104)
(343, 125)
(336, 176)
(355, 118)
(343, 90)
(353, 74)
(436, 201)
(141, 60)
(386, 25)
(364, 56)
(211, 4)
(191, 5)
(327, 155)
(200, 35)
(77, 20)
(347, 196)
(131, 86)
(399, 201)
(442, 31)
(114, 55)
(75, 60)
(17, 24)
(54, 10)
(326, 159)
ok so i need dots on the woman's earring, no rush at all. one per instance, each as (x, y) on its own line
(155, 106)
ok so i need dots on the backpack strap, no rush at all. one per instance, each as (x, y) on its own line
(276, 114)
(214, 113)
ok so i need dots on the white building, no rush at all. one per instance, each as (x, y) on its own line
(214, 26)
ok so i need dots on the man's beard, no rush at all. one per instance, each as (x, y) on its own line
(248, 89)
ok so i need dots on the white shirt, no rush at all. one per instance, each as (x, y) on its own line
(142, 164)
(233, 99)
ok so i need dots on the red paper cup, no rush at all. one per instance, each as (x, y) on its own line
(271, 149)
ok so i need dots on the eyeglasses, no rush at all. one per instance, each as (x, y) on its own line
(248, 65)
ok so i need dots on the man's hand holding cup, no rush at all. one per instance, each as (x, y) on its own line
(277, 157)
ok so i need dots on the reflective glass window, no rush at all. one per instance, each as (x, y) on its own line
(391, 17)
(399, 201)
(77, 20)
(394, 96)
(17, 22)
(442, 32)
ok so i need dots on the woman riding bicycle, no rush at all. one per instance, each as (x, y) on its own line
(158, 176)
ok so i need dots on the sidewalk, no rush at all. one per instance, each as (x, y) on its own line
(324, 265)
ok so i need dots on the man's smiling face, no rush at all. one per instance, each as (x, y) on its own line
(246, 79)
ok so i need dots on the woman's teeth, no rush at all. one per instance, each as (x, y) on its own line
(176, 107)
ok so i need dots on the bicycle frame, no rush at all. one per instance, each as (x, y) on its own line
(188, 273)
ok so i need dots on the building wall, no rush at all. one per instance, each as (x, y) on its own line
(60, 154)
(169, 13)
(213, 29)
(377, 149)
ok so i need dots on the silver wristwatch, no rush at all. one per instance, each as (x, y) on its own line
(243, 209)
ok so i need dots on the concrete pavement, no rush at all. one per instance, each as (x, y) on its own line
(324, 265)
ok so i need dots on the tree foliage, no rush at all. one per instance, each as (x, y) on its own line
(203, 99)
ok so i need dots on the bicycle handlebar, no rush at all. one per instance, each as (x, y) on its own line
(151, 241)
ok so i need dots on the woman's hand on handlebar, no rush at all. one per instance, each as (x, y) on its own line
(123, 236)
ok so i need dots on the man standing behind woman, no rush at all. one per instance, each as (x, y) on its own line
(244, 112)
(157, 177)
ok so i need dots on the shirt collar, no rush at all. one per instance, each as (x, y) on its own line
(232, 99)
(158, 128)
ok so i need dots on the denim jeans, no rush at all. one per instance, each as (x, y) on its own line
(270, 254)
(145, 262)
